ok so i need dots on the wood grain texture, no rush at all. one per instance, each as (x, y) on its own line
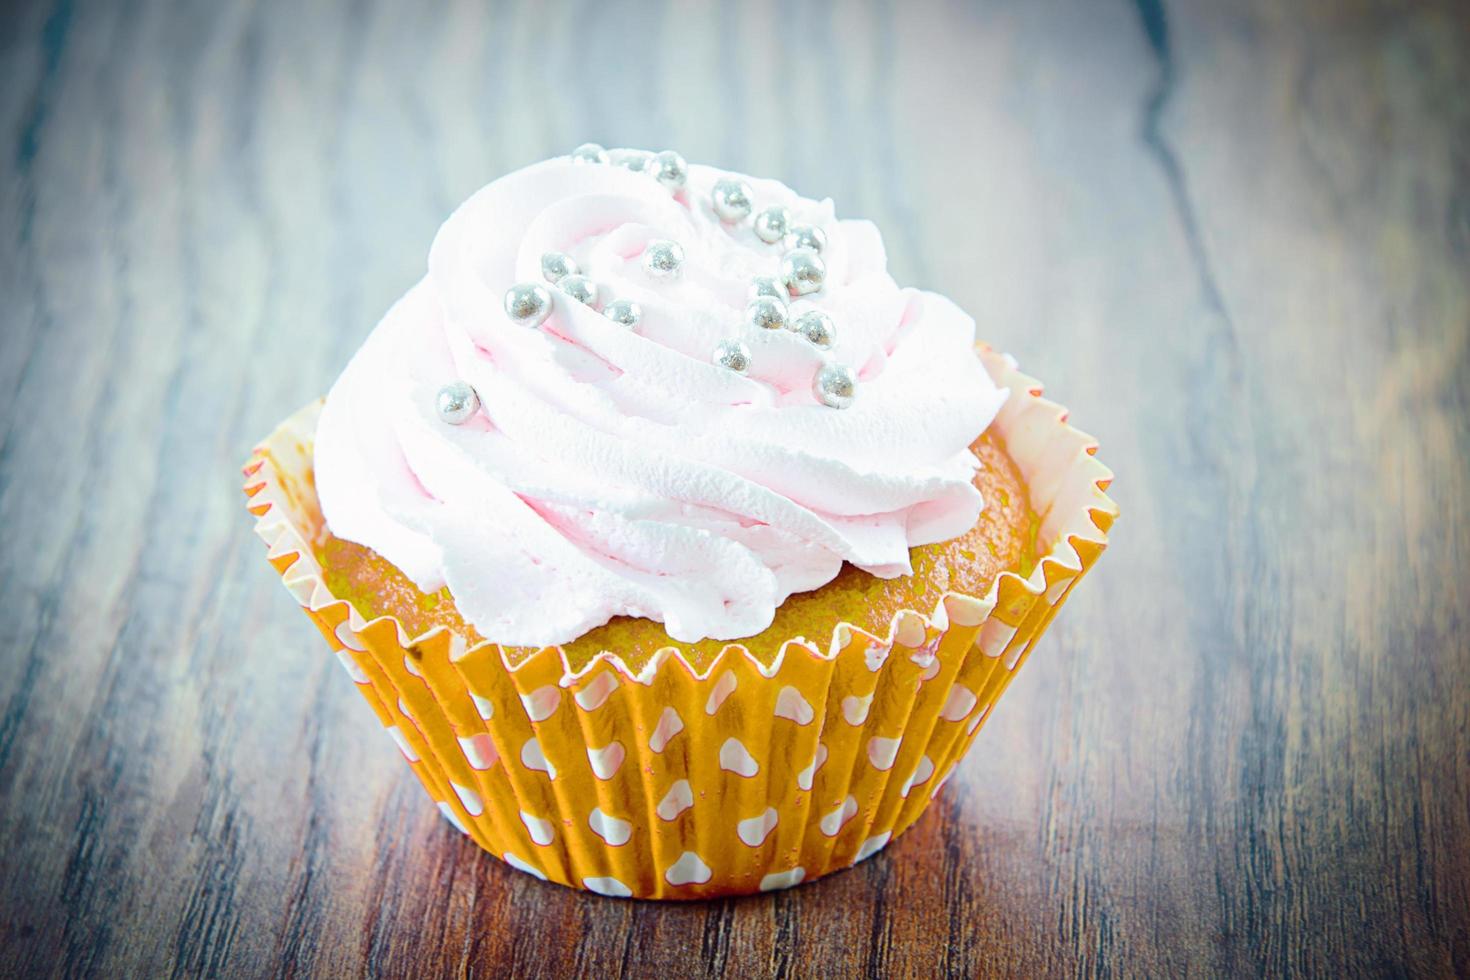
(1234, 239)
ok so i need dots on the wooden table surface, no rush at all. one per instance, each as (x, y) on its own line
(1234, 239)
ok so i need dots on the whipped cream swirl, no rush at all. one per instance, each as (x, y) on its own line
(614, 471)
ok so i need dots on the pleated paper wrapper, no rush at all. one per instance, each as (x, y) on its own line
(666, 783)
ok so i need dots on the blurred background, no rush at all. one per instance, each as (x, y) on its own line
(1234, 238)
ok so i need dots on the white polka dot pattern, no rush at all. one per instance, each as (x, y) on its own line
(995, 637)
(793, 707)
(520, 865)
(597, 691)
(920, 776)
(403, 744)
(542, 831)
(777, 880)
(960, 703)
(669, 725)
(872, 846)
(611, 829)
(909, 629)
(855, 709)
(611, 887)
(533, 758)
(484, 707)
(607, 760)
(833, 822)
(690, 869)
(679, 798)
(882, 752)
(754, 831)
(479, 751)
(469, 798)
(734, 757)
(805, 777)
(724, 687)
(541, 703)
(876, 656)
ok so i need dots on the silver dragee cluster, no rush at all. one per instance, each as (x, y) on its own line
(802, 272)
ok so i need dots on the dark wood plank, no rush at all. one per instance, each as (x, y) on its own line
(1234, 239)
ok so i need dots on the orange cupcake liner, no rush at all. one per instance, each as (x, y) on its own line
(668, 783)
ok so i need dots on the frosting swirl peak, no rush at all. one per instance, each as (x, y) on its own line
(615, 470)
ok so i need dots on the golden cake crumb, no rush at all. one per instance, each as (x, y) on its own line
(1003, 539)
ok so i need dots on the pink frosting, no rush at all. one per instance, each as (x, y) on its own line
(620, 472)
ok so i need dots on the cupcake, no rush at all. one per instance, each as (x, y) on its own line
(681, 551)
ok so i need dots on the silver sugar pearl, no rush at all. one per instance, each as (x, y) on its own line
(637, 161)
(663, 259)
(731, 199)
(806, 236)
(670, 169)
(803, 271)
(579, 288)
(767, 286)
(557, 265)
(732, 355)
(589, 153)
(766, 312)
(817, 327)
(456, 402)
(623, 311)
(835, 386)
(771, 224)
(528, 303)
